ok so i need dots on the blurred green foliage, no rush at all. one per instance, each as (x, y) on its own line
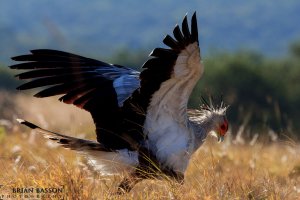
(7, 80)
(264, 89)
(262, 92)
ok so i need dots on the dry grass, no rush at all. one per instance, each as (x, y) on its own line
(216, 171)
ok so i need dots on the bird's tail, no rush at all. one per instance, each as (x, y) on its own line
(106, 161)
(64, 140)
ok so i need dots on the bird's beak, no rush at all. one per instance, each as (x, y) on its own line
(220, 138)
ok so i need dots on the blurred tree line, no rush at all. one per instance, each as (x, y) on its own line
(263, 93)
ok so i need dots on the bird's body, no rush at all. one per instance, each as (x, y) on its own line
(142, 122)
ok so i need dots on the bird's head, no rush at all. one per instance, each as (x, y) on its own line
(219, 124)
(213, 119)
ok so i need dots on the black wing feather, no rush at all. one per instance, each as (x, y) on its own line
(185, 30)
(165, 53)
(178, 36)
(60, 79)
(194, 29)
(57, 56)
(54, 72)
(50, 65)
(170, 42)
(68, 88)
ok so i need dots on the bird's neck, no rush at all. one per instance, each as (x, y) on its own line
(200, 131)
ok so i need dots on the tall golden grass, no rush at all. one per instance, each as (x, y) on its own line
(230, 170)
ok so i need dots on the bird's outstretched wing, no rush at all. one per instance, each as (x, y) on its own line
(166, 84)
(79, 79)
(93, 85)
(171, 68)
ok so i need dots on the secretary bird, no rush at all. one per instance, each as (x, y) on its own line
(142, 123)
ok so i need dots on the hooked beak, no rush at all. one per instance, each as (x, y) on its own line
(220, 138)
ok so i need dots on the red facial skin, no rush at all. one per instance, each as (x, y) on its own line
(223, 128)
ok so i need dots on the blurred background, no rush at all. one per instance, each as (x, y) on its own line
(251, 51)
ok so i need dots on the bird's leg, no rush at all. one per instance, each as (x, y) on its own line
(127, 184)
(179, 177)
